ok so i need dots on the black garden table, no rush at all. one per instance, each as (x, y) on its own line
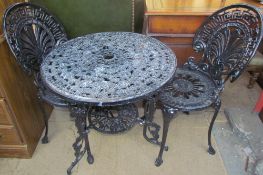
(108, 69)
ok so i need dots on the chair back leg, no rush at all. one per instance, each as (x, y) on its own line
(217, 106)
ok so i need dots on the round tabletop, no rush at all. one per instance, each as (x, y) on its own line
(108, 68)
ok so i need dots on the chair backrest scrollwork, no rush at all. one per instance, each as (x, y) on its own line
(31, 32)
(229, 39)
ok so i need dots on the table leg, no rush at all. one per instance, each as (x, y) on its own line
(168, 115)
(81, 144)
(149, 126)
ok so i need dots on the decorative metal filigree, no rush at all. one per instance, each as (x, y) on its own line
(100, 69)
(186, 85)
(229, 39)
(150, 128)
(81, 145)
(113, 120)
(110, 67)
(190, 89)
(31, 33)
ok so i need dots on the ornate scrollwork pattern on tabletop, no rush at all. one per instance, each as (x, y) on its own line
(110, 67)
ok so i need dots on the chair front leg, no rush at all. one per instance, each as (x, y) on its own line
(168, 115)
(217, 106)
(44, 140)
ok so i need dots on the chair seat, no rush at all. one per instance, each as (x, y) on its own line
(50, 96)
(189, 90)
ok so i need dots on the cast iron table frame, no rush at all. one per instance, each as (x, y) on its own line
(56, 68)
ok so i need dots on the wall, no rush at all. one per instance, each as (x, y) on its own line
(88, 16)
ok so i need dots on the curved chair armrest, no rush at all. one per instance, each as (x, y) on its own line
(191, 63)
(195, 65)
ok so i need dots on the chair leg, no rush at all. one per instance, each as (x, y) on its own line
(186, 112)
(44, 140)
(217, 106)
(168, 115)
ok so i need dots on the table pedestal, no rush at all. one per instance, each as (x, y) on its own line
(149, 126)
(81, 145)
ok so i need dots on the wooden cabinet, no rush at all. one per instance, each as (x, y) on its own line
(21, 120)
(175, 22)
(5, 118)
(9, 136)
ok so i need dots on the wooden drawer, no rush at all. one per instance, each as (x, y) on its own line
(5, 118)
(175, 40)
(9, 136)
(169, 24)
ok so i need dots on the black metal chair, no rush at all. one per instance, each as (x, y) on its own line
(32, 32)
(228, 39)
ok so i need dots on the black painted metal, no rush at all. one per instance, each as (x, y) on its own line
(109, 68)
(168, 115)
(113, 120)
(190, 89)
(107, 72)
(217, 106)
(150, 128)
(228, 39)
(81, 145)
(31, 33)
